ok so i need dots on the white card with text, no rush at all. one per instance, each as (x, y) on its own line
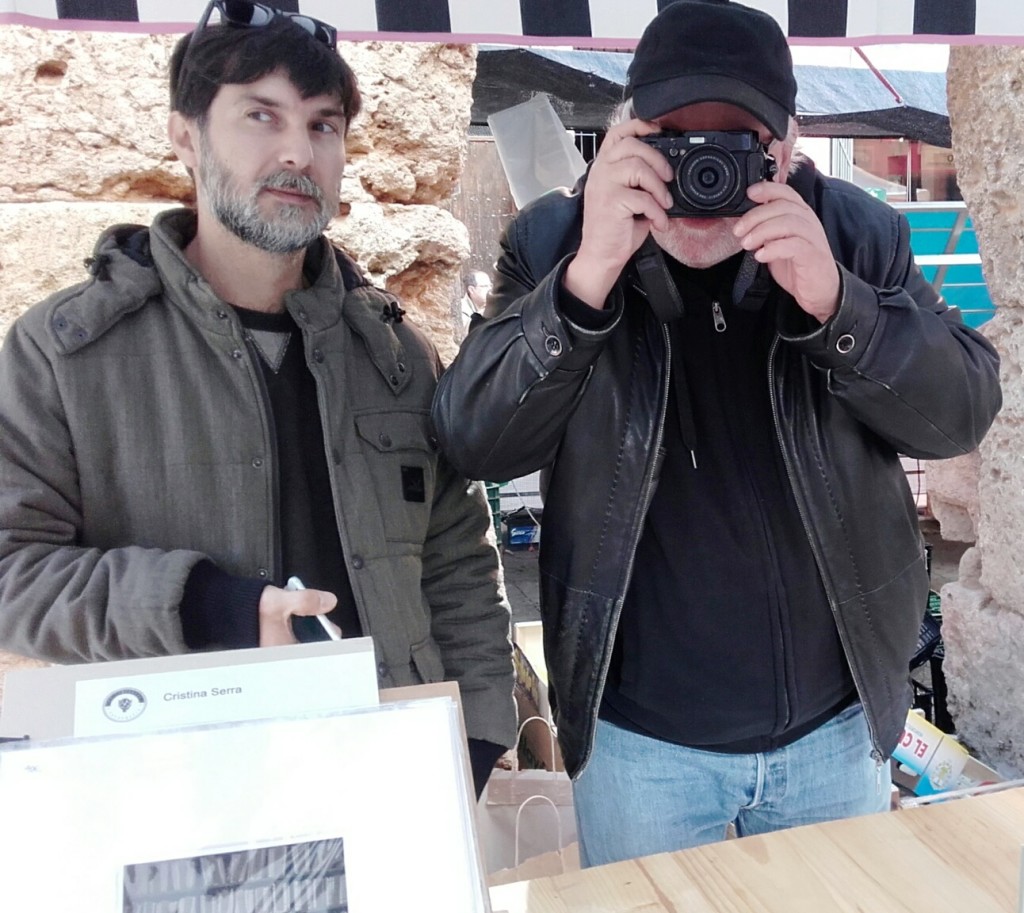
(233, 692)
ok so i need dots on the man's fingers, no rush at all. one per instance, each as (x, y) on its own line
(279, 604)
(642, 205)
(311, 602)
(633, 127)
(776, 208)
(637, 176)
(631, 150)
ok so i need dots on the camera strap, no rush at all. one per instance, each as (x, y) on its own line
(657, 282)
(753, 284)
(663, 296)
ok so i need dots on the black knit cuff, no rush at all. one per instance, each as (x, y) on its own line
(582, 314)
(220, 611)
(482, 758)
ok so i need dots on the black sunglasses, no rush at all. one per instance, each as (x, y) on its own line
(243, 14)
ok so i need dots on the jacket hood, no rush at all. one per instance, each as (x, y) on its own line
(123, 280)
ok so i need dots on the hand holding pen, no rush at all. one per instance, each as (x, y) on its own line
(281, 611)
(333, 632)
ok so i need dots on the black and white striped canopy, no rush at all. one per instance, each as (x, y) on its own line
(583, 23)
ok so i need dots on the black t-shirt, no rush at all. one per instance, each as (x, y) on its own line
(726, 639)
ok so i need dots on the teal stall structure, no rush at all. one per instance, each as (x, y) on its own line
(946, 248)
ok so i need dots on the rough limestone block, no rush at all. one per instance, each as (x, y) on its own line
(953, 495)
(983, 623)
(982, 669)
(85, 117)
(1001, 476)
(416, 253)
(417, 99)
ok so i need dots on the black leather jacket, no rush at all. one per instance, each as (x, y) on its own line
(894, 371)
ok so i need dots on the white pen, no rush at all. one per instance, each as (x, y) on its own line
(295, 584)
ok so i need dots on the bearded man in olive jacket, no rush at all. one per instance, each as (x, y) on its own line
(226, 402)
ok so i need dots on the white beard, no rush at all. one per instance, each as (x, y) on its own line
(699, 243)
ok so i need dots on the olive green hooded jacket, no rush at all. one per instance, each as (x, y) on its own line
(135, 441)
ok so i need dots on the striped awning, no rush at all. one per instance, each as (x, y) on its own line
(582, 23)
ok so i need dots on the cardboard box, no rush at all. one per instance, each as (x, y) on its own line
(928, 761)
(928, 753)
(522, 529)
(520, 536)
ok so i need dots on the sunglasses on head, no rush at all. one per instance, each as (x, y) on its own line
(244, 14)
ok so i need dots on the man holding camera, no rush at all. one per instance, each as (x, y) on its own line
(717, 355)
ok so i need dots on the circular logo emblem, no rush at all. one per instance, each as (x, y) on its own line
(124, 705)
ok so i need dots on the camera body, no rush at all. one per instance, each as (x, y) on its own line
(713, 170)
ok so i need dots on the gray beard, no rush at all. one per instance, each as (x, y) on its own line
(699, 248)
(292, 229)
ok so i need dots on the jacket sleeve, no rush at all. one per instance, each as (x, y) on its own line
(503, 405)
(469, 612)
(59, 600)
(897, 357)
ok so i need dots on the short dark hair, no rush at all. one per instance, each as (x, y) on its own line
(225, 55)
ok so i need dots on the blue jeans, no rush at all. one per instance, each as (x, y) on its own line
(639, 795)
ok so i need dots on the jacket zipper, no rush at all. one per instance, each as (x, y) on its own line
(718, 317)
(277, 558)
(876, 753)
(645, 503)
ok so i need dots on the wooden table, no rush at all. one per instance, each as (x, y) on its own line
(960, 856)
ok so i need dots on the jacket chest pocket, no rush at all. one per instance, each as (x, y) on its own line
(402, 465)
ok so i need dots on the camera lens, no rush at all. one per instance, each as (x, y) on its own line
(707, 178)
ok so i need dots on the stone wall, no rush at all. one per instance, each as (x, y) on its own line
(983, 612)
(83, 120)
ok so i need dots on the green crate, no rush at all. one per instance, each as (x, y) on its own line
(494, 500)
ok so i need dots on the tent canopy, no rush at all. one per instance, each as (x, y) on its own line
(585, 86)
(582, 23)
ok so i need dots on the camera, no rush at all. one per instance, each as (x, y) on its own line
(713, 170)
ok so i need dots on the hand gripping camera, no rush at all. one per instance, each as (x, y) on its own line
(713, 170)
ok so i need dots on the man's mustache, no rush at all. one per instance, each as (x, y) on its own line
(285, 180)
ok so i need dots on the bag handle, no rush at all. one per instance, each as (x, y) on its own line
(558, 824)
(519, 737)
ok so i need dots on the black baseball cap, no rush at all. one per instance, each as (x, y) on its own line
(713, 50)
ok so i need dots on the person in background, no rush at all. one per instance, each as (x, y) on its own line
(477, 286)
(717, 355)
(226, 402)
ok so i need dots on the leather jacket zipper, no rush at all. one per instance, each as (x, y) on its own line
(876, 754)
(718, 317)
